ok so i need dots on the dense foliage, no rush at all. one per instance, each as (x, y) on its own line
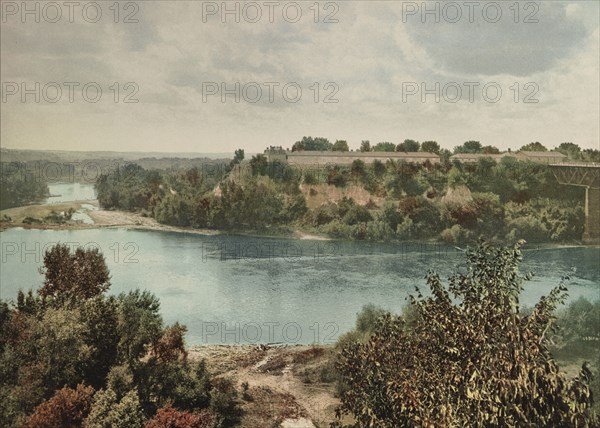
(471, 357)
(451, 201)
(72, 356)
(19, 187)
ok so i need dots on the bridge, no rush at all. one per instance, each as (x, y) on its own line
(584, 175)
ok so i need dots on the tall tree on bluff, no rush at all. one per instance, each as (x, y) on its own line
(470, 359)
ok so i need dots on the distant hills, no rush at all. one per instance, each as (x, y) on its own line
(18, 155)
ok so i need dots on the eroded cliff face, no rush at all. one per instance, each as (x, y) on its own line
(460, 195)
(319, 194)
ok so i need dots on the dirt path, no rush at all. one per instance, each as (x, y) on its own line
(276, 383)
(317, 401)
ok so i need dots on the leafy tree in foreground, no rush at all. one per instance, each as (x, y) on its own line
(80, 275)
(471, 358)
(67, 409)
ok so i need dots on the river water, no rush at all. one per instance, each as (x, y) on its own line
(230, 289)
(67, 192)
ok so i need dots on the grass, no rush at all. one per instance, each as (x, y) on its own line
(18, 214)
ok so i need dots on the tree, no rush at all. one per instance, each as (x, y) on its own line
(238, 157)
(340, 146)
(390, 215)
(573, 151)
(170, 347)
(430, 146)
(490, 150)
(357, 214)
(365, 146)
(140, 325)
(169, 417)
(81, 275)
(469, 147)
(259, 165)
(67, 409)
(100, 318)
(384, 147)
(471, 358)
(108, 410)
(20, 188)
(314, 144)
(534, 147)
(408, 146)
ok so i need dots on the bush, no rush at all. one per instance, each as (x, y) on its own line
(379, 231)
(529, 228)
(224, 402)
(169, 417)
(110, 411)
(456, 235)
(470, 359)
(67, 409)
(357, 214)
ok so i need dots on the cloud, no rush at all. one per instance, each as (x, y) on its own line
(369, 54)
(545, 33)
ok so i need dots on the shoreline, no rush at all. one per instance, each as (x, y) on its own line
(109, 219)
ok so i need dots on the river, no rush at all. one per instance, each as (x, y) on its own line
(67, 192)
(230, 289)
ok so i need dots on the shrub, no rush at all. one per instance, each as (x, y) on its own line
(109, 411)
(67, 409)
(471, 358)
(169, 417)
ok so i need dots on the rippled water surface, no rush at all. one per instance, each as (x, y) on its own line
(247, 290)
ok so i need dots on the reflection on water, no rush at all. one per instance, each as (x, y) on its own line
(229, 289)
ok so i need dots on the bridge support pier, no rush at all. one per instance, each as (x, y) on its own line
(591, 234)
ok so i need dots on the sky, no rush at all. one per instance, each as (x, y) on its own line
(211, 77)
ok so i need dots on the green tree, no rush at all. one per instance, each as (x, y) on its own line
(313, 144)
(365, 146)
(357, 214)
(340, 146)
(18, 187)
(470, 359)
(534, 147)
(573, 151)
(430, 146)
(390, 215)
(238, 156)
(384, 147)
(81, 275)
(490, 150)
(100, 318)
(139, 325)
(259, 164)
(408, 146)
(109, 411)
(469, 147)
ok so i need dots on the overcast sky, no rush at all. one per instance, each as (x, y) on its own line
(375, 61)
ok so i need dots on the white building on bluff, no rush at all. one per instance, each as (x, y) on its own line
(311, 158)
(538, 157)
